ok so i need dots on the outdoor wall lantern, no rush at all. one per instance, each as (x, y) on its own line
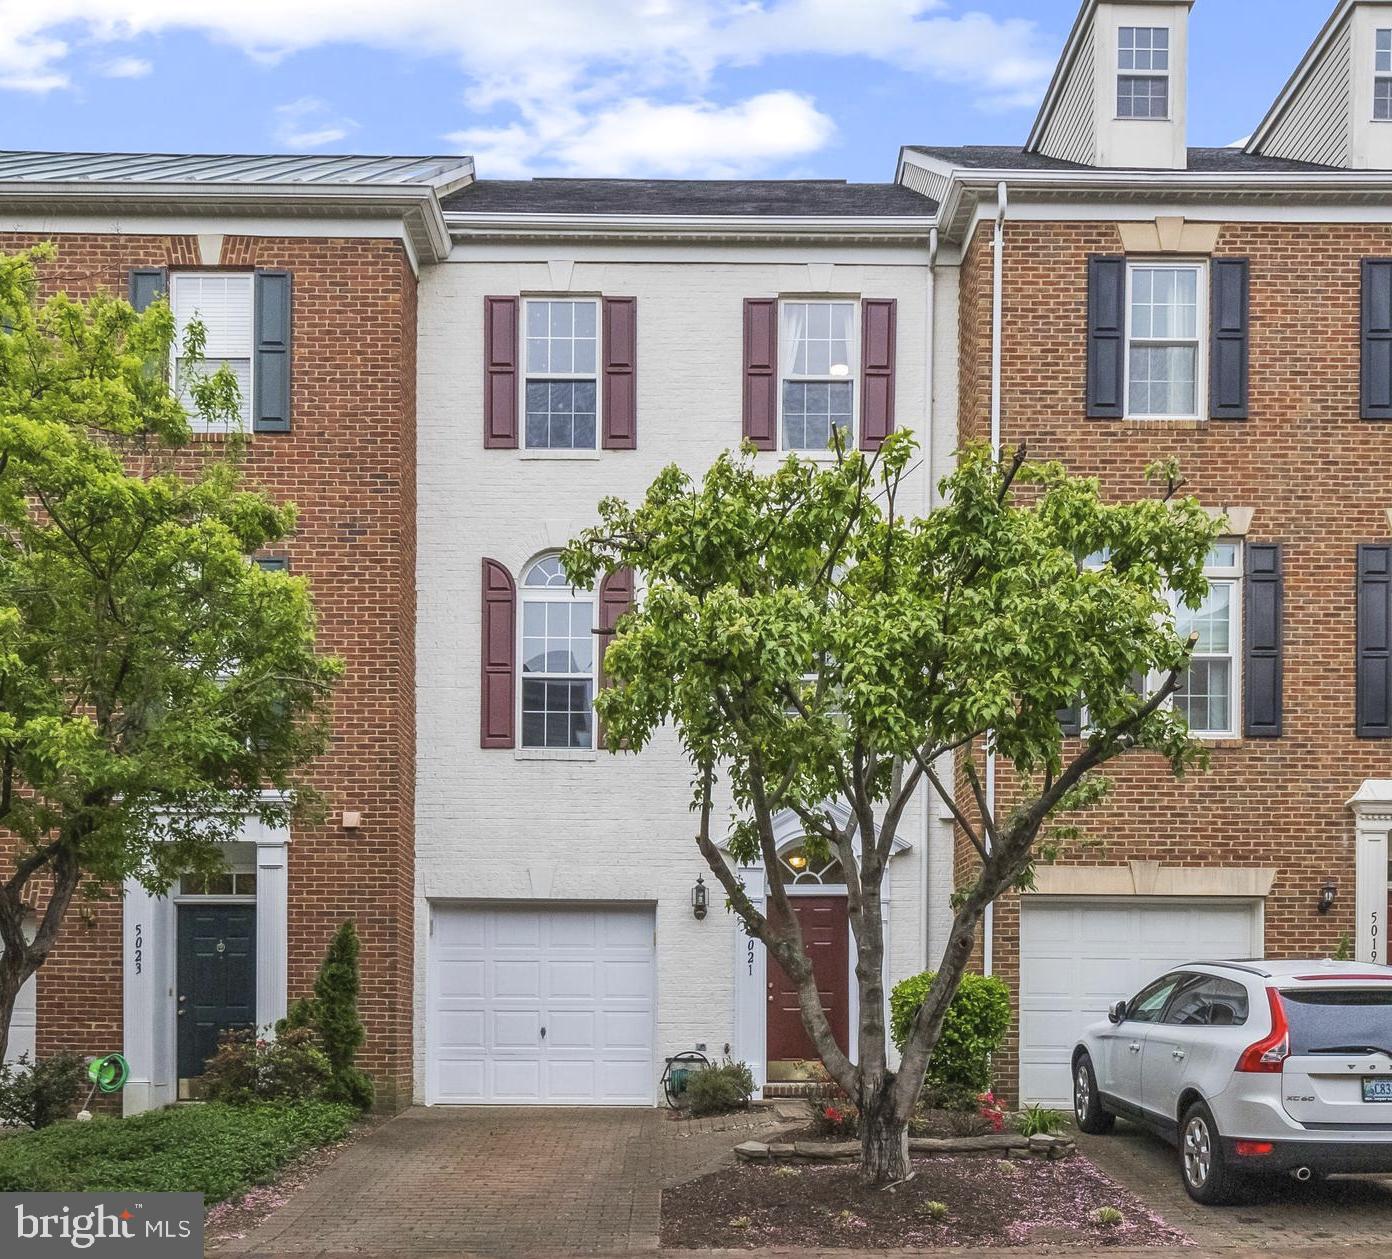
(699, 898)
(1327, 895)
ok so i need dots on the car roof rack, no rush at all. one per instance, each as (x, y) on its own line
(1242, 966)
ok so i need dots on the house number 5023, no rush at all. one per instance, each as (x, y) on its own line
(139, 947)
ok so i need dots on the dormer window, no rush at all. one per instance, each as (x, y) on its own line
(1382, 84)
(1143, 84)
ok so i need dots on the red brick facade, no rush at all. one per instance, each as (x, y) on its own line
(348, 463)
(1320, 481)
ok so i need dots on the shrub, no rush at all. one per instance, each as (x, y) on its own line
(723, 1087)
(212, 1149)
(935, 1211)
(972, 1031)
(1106, 1217)
(38, 1093)
(248, 1068)
(1036, 1119)
(333, 1013)
(838, 1119)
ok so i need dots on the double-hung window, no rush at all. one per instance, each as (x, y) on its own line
(561, 382)
(558, 658)
(1143, 81)
(818, 373)
(1208, 694)
(222, 303)
(1382, 80)
(1165, 304)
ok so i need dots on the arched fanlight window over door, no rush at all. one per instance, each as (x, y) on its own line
(558, 657)
(800, 866)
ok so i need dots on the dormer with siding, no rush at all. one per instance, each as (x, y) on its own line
(1119, 95)
(1336, 110)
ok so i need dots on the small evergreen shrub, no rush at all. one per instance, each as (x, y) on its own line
(717, 1089)
(333, 1015)
(248, 1068)
(972, 1032)
(37, 1093)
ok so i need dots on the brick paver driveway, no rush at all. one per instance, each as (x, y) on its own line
(495, 1181)
(1354, 1212)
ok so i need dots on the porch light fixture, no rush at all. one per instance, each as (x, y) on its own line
(699, 898)
(798, 861)
(1326, 897)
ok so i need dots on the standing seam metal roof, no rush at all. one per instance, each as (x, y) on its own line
(228, 168)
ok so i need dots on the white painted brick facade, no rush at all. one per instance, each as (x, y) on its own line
(503, 825)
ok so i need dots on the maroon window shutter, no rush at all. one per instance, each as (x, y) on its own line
(500, 372)
(620, 368)
(499, 655)
(878, 317)
(761, 372)
(615, 598)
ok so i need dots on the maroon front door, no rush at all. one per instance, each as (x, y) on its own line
(826, 936)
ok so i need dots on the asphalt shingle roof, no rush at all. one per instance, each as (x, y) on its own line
(826, 198)
(1210, 161)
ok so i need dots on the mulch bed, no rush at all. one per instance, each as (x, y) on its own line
(990, 1203)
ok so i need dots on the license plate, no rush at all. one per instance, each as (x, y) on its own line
(1377, 1088)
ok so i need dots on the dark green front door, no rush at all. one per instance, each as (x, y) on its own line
(217, 978)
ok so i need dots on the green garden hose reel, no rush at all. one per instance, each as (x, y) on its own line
(108, 1075)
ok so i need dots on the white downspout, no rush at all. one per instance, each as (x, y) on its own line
(997, 305)
(929, 494)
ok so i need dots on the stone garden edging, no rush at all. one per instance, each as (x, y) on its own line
(1004, 1144)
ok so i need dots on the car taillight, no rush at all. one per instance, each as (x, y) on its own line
(1252, 1149)
(1268, 1054)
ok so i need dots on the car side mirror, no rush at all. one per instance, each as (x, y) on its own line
(1118, 1012)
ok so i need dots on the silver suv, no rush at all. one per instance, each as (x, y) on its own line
(1250, 1068)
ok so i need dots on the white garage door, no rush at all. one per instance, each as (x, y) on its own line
(1077, 958)
(541, 1006)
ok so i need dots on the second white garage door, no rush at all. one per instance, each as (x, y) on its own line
(541, 1005)
(1078, 957)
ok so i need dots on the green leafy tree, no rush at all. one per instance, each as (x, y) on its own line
(156, 686)
(811, 642)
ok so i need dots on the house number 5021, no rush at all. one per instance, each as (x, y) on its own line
(139, 947)
(749, 955)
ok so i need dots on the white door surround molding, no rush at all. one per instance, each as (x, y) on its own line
(150, 966)
(750, 1042)
(1372, 820)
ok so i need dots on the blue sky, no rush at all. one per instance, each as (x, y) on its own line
(619, 87)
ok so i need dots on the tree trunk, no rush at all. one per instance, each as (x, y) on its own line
(884, 1138)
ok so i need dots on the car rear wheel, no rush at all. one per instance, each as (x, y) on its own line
(1087, 1102)
(1202, 1163)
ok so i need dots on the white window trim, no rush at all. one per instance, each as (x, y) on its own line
(523, 376)
(568, 596)
(1201, 327)
(1146, 74)
(853, 376)
(1379, 75)
(196, 422)
(1233, 576)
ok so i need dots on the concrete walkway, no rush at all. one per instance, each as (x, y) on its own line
(497, 1181)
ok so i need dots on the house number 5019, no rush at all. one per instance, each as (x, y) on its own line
(1376, 931)
(139, 947)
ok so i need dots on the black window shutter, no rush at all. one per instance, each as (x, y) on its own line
(1263, 664)
(1374, 672)
(1071, 719)
(147, 284)
(1376, 334)
(1230, 358)
(1106, 352)
(270, 411)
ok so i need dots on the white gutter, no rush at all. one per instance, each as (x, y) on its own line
(997, 313)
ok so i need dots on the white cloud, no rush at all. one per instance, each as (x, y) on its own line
(309, 123)
(545, 70)
(721, 141)
(125, 68)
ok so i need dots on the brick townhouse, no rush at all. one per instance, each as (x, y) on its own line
(1231, 307)
(530, 905)
(304, 272)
